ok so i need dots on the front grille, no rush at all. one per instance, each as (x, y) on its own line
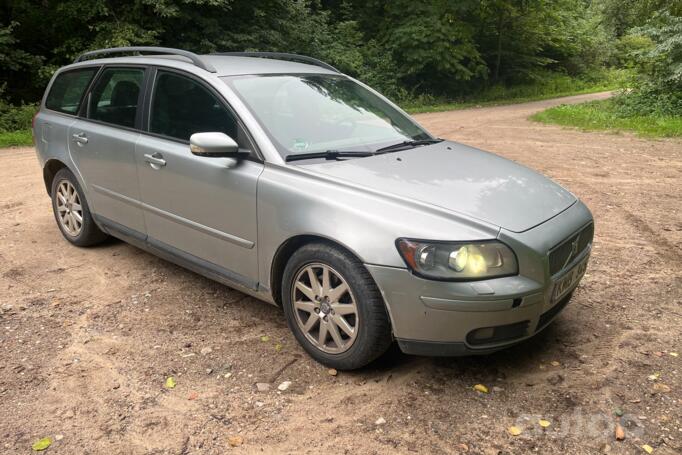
(563, 253)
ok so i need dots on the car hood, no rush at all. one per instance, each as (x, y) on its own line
(459, 178)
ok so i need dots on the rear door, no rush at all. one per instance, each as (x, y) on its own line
(102, 144)
(200, 208)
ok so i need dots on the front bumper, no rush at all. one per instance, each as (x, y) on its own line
(461, 318)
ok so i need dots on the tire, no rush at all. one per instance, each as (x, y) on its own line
(68, 199)
(371, 328)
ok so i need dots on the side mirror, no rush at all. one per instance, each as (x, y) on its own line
(214, 145)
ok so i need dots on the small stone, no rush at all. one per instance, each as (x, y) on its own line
(332, 372)
(497, 389)
(660, 387)
(209, 370)
(555, 379)
(284, 386)
(58, 437)
(380, 421)
(206, 350)
(262, 386)
(235, 441)
(116, 386)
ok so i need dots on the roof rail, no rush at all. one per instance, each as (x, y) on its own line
(282, 56)
(196, 60)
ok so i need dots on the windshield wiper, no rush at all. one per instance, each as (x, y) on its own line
(406, 145)
(328, 155)
(336, 154)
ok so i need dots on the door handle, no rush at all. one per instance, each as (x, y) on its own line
(156, 160)
(80, 138)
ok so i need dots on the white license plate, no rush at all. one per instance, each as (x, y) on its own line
(569, 281)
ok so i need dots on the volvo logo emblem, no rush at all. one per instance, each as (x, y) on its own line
(574, 246)
(574, 250)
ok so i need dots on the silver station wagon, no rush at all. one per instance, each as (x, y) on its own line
(281, 177)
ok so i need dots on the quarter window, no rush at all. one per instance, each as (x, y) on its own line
(181, 107)
(67, 90)
(115, 96)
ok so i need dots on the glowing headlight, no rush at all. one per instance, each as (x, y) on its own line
(458, 260)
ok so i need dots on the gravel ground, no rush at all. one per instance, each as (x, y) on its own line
(89, 336)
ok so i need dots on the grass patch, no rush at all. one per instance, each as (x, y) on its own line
(550, 86)
(604, 115)
(16, 138)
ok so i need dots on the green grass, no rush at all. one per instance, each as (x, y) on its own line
(604, 115)
(16, 138)
(551, 86)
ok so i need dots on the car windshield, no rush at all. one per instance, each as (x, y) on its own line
(304, 114)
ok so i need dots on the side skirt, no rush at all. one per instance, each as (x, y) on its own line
(185, 260)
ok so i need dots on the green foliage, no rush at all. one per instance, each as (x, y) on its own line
(12, 58)
(417, 52)
(16, 138)
(608, 115)
(661, 63)
(434, 46)
(15, 118)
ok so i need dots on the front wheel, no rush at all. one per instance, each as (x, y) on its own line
(334, 308)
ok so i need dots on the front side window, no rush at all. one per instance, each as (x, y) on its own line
(67, 90)
(181, 107)
(115, 96)
(317, 113)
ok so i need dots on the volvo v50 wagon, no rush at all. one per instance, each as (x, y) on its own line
(281, 177)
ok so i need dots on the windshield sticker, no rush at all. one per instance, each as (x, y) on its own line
(300, 145)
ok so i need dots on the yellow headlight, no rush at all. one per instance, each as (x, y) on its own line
(458, 259)
(477, 263)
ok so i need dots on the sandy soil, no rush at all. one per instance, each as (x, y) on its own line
(88, 336)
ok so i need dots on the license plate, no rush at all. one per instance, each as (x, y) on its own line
(569, 281)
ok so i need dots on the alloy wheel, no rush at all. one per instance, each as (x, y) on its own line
(325, 308)
(69, 208)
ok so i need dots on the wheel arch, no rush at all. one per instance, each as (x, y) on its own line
(287, 249)
(52, 166)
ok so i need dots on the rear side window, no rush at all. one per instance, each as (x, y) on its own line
(67, 90)
(182, 107)
(115, 96)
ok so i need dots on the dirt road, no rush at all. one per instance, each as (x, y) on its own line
(88, 336)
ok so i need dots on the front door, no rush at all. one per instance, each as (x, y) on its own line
(199, 208)
(102, 145)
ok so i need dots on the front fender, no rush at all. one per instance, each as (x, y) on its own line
(293, 201)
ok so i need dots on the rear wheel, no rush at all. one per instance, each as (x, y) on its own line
(334, 308)
(72, 212)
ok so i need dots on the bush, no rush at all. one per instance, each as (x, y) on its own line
(16, 118)
(649, 100)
